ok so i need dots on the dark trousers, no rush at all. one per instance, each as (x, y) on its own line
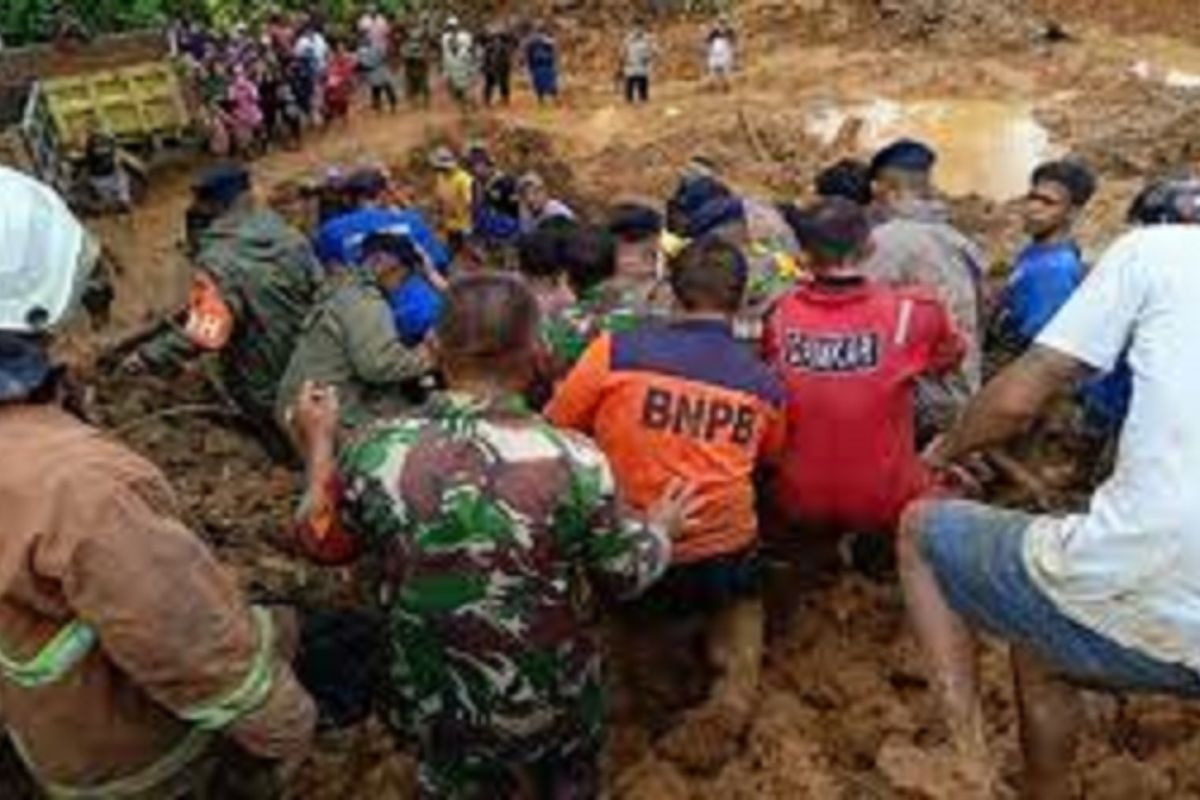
(493, 83)
(381, 91)
(637, 88)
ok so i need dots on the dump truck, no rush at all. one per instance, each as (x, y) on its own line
(123, 86)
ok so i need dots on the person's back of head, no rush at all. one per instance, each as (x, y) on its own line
(488, 331)
(834, 234)
(709, 275)
(903, 169)
(540, 253)
(848, 178)
(589, 254)
(1168, 201)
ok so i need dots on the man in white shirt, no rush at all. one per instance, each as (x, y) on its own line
(1109, 598)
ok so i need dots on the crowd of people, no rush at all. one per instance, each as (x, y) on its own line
(666, 408)
(257, 88)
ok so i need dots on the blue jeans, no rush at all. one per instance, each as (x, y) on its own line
(976, 554)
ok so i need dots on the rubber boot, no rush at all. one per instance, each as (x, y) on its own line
(710, 735)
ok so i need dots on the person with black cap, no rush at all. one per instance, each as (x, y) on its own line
(131, 665)
(917, 245)
(1103, 599)
(849, 350)
(631, 295)
(349, 340)
(255, 281)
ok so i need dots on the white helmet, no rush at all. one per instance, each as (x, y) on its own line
(46, 256)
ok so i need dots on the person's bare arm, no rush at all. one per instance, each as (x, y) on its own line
(1010, 403)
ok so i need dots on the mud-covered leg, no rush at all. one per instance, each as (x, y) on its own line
(1050, 721)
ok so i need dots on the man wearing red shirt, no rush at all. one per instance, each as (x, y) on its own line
(849, 351)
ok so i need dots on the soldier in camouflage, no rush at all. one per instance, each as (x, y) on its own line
(492, 533)
(349, 340)
(629, 294)
(255, 282)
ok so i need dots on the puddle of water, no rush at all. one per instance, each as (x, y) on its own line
(1168, 61)
(987, 147)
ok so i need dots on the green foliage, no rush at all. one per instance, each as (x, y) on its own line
(27, 21)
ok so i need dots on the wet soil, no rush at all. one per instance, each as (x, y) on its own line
(844, 710)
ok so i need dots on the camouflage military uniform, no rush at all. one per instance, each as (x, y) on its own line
(611, 307)
(267, 276)
(492, 530)
(349, 341)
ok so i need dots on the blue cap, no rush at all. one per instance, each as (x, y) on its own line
(714, 214)
(366, 182)
(23, 367)
(222, 183)
(907, 155)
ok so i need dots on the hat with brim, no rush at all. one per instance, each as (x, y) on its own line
(443, 158)
(46, 256)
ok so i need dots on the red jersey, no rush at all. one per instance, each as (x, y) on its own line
(849, 357)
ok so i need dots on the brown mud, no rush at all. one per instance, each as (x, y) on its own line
(844, 710)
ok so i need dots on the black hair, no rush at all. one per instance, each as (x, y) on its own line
(589, 256)
(1077, 179)
(848, 178)
(540, 253)
(401, 247)
(710, 274)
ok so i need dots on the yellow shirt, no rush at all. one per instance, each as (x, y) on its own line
(453, 192)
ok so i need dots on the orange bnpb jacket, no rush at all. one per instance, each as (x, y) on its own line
(681, 401)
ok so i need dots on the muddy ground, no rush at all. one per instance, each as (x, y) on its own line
(844, 711)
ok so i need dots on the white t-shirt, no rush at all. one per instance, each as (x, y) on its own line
(1130, 567)
(313, 46)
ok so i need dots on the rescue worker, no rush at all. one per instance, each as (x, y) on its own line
(131, 664)
(849, 350)
(454, 197)
(687, 401)
(916, 245)
(497, 209)
(1046, 273)
(767, 242)
(1104, 599)
(626, 295)
(471, 503)
(349, 340)
(416, 304)
(255, 281)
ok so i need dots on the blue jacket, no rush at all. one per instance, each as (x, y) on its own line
(1044, 278)
(1042, 281)
(416, 306)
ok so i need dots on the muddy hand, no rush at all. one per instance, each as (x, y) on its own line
(315, 415)
(677, 508)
